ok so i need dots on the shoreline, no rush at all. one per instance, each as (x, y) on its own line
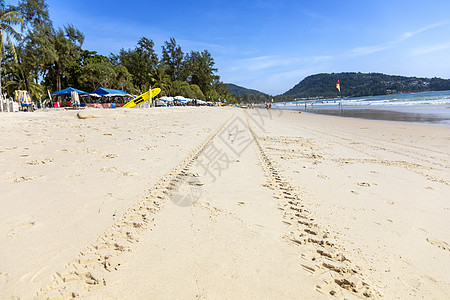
(432, 115)
(227, 197)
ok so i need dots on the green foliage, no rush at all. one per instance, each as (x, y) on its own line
(172, 59)
(63, 50)
(196, 92)
(181, 88)
(123, 79)
(159, 79)
(35, 12)
(199, 69)
(35, 89)
(8, 18)
(97, 75)
(140, 62)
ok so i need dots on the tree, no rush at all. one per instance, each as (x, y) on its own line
(8, 18)
(29, 49)
(17, 82)
(181, 88)
(139, 62)
(64, 47)
(35, 12)
(123, 79)
(76, 70)
(199, 70)
(197, 92)
(172, 59)
(97, 75)
(158, 78)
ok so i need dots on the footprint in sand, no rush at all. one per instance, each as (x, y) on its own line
(21, 227)
(115, 170)
(148, 148)
(418, 229)
(40, 162)
(438, 243)
(8, 148)
(24, 178)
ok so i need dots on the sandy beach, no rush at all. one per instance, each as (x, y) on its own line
(222, 203)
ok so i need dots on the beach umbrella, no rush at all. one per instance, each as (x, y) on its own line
(181, 99)
(166, 99)
(68, 92)
(102, 92)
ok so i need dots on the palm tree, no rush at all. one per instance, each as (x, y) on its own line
(7, 20)
(159, 78)
(18, 82)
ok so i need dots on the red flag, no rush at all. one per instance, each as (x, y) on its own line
(338, 86)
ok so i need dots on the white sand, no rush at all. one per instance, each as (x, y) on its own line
(191, 203)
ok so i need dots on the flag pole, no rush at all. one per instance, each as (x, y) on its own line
(150, 101)
(338, 86)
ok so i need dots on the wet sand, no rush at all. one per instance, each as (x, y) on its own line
(434, 115)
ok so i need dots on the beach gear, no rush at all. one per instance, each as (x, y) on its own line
(142, 98)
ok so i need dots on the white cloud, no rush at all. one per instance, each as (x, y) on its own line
(365, 50)
(411, 34)
(276, 61)
(431, 48)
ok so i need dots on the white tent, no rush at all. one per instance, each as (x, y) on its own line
(166, 99)
(182, 99)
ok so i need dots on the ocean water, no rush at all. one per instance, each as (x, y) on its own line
(427, 107)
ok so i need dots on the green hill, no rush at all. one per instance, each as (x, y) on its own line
(241, 91)
(247, 95)
(361, 84)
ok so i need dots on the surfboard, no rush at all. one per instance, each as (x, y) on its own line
(142, 98)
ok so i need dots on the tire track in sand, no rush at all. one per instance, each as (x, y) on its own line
(320, 256)
(105, 255)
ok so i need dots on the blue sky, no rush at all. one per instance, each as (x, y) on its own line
(270, 45)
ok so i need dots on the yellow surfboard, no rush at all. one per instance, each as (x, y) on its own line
(142, 98)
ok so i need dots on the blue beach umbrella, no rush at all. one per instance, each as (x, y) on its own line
(68, 91)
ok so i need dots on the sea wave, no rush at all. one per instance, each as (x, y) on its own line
(414, 99)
